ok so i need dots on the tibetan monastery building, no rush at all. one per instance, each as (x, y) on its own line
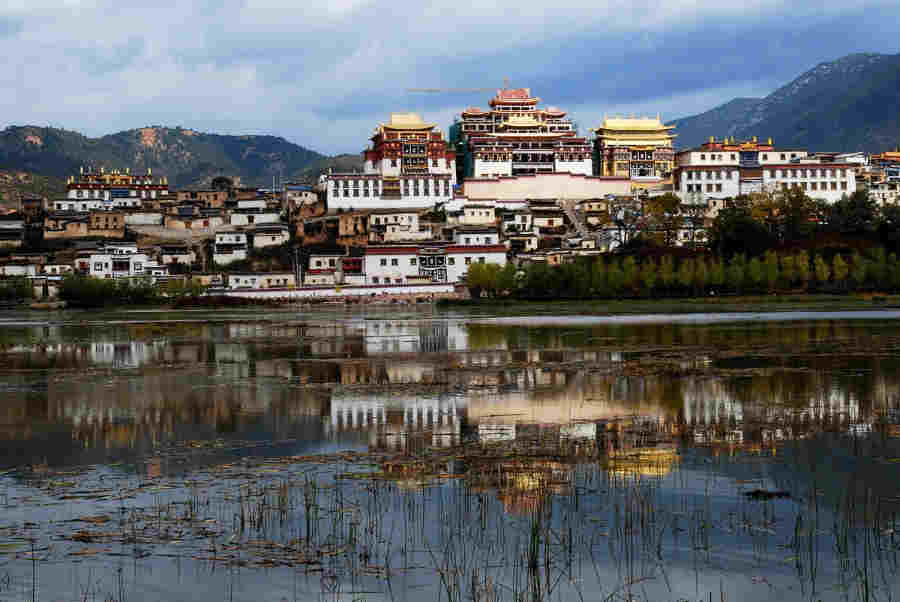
(516, 137)
(408, 166)
(637, 148)
(101, 189)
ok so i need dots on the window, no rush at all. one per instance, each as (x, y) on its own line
(718, 188)
(394, 261)
(374, 279)
(468, 240)
(782, 156)
(765, 157)
(834, 185)
(718, 175)
(468, 260)
(331, 263)
(98, 267)
(451, 261)
(843, 185)
(383, 261)
(703, 157)
(393, 163)
(814, 186)
(398, 281)
(771, 173)
(412, 261)
(481, 260)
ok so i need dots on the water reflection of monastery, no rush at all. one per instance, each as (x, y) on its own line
(396, 383)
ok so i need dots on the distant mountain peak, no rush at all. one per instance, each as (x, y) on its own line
(845, 104)
(186, 156)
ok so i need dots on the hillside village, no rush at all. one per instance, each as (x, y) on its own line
(512, 183)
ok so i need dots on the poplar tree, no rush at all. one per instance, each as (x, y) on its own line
(821, 271)
(858, 269)
(892, 272)
(788, 269)
(686, 274)
(840, 270)
(755, 273)
(630, 274)
(716, 273)
(771, 270)
(667, 272)
(878, 269)
(801, 263)
(736, 273)
(614, 277)
(701, 276)
(649, 276)
(598, 278)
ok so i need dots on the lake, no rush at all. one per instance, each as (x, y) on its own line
(403, 453)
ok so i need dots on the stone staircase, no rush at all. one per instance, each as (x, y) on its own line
(576, 218)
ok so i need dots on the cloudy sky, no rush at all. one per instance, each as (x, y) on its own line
(322, 74)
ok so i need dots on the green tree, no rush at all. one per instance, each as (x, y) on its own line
(788, 270)
(716, 273)
(840, 270)
(893, 272)
(614, 278)
(770, 270)
(667, 272)
(755, 275)
(630, 274)
(859, 269)
(598, 278)
(854, 215)
(649, 275)
(686, 274)
(878, 269)
(821, 271)
(701, 276)
(664, 213)
(506, 279)
(737, 273)
(801, 264)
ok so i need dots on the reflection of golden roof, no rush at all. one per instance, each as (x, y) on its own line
(407, 121)
(643, 124)
(644, 462)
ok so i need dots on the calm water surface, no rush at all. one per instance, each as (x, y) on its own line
(410, 455)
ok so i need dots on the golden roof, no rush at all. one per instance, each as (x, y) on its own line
(407, 121)
(633, 124)
(524, 121)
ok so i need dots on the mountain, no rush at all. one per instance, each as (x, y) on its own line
(851, 104)
(16, 185)
(187, 157)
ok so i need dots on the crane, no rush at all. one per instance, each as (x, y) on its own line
(459, 90)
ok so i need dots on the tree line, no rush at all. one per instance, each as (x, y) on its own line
(701, 275)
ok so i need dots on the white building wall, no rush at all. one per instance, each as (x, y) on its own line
(251, 204)
(488, 169)
(546, 186)
(270, 239)
(224, 258)
(584, 167)
(393, 268)
(458, 262)
(476, 238)
(101, 265)
(243, 219)
(337, 201)
(231, 238)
